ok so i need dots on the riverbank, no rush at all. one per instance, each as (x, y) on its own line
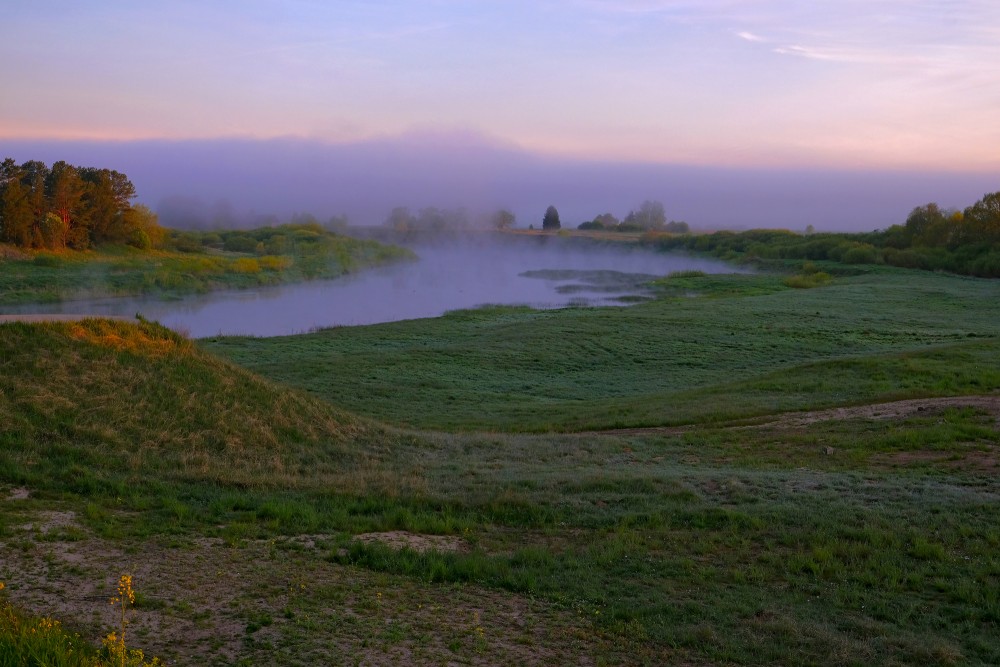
(194, 263)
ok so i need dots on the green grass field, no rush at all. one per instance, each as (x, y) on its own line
(658, 484)
(742, 345)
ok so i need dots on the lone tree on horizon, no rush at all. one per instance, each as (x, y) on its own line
(502, 219)
(551, 219)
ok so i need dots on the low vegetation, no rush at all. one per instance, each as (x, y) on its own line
(190, 263)
(965, 242)
(737, 472)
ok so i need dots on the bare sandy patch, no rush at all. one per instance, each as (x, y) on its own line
(46, 521)
(398, 539)
(203, 602)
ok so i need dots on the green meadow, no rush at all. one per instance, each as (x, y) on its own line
(710, 348)
(748, 469)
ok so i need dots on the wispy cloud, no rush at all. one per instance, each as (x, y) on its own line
(749, 36)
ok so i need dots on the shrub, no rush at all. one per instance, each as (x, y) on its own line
(240, 243)
(987, 266)
(187, 242)
(138, 238)
(211, 239)
(276, 244)
(861, 253)
(245, 265)
(808, 281)
(274, 263)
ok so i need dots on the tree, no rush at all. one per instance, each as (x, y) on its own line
(607, 221)
(52, 231)
(64, 189)
(649, 216)
(603, 221)
(34, 175)
(65, 205)
(400, 219)
(142, 229)
(931, 227)
(502, 219)
(677, 227)
(982, 219)
(16, 217)
(107, 198)
(551, 219)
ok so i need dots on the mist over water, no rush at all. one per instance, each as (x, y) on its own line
(225, 183)
(448, 276)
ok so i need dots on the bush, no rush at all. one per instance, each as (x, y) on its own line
(245, 265)
(212, 240)
(138, 238)
(808, 281)
(987, 266)
(187, 242)
(274, 263)
(860, 253)
(276, 244)
(907, 259)
(240, 243)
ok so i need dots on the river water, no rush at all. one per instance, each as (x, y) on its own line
(446, 277)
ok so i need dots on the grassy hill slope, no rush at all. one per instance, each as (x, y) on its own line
(111, 410)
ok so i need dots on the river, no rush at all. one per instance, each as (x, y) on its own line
(446, 277)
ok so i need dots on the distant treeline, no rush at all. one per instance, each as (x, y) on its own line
(966, 242)
(649, 217)
(71, 207)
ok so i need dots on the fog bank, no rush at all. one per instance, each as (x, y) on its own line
(232, 181)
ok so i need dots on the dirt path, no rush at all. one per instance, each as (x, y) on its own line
(892, 410)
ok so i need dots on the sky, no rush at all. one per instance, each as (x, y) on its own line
(874, 87)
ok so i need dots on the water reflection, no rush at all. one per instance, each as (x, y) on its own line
(446, 277)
